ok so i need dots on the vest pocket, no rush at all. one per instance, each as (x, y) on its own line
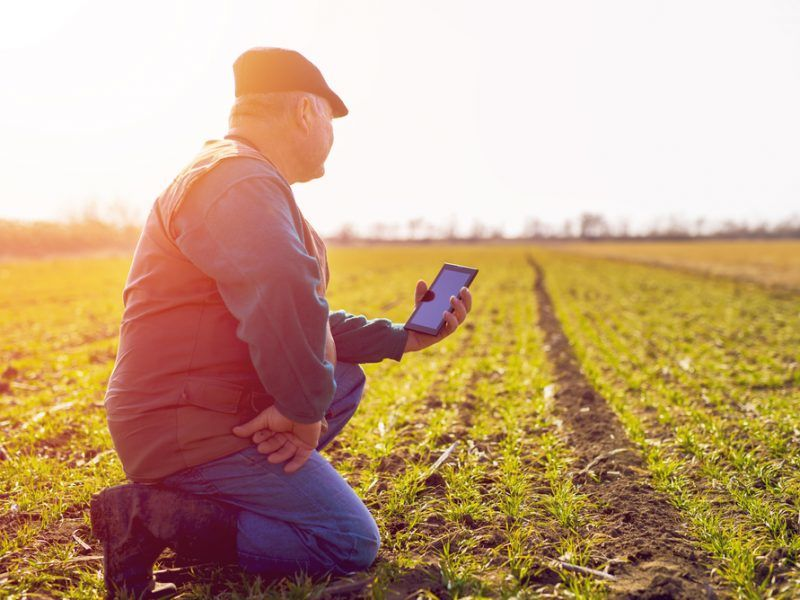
(205, 416)
(217, 397)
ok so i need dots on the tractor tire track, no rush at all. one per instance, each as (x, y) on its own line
(647, 544)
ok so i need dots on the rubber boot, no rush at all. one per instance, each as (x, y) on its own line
(136, 522)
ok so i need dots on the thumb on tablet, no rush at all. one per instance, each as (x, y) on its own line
(422, 288)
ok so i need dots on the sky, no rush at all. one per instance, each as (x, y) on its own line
(460, 112)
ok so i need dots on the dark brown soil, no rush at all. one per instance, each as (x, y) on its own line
(643, 529)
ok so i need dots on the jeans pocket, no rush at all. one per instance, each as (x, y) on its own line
(190, 480)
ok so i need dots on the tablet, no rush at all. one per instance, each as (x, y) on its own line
(427, 316)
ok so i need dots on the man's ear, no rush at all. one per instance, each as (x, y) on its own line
(304, 114)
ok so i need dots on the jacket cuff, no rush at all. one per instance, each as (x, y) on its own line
(396, 344)
(303, 418)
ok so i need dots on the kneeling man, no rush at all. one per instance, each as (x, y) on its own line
(232, 374)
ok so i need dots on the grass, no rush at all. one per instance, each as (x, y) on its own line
(770, 262)
(486, 522)
(702, 371)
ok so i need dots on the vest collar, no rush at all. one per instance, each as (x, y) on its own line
(246, 142)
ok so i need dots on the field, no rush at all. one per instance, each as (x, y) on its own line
(598, 428)
(775, 263)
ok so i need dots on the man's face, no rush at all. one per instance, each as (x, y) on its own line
(318, 144)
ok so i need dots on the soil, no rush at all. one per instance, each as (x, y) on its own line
(645, 532)
(647, 544)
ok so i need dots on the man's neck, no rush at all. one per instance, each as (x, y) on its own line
(271, 151)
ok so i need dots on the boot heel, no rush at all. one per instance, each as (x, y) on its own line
(97, 518)
(162, 590)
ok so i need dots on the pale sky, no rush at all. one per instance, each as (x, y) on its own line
(475, 111)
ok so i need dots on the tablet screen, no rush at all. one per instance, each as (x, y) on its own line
(447, 284)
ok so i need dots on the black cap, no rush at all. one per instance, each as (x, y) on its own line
(264, 70)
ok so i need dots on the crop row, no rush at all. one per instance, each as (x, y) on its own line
(704, 374)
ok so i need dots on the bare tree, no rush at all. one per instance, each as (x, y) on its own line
(699, 226)
(623, 228)
(347, 233)
(378, 231)
(478, 231)
(414, 226)
(497, 233)
(593, 226)
(533, 228)
(450, 228)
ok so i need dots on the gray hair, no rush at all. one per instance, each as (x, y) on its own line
(275, 107)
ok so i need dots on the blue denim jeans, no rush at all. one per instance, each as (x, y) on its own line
(309, 520)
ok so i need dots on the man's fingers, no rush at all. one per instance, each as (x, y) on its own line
(285, 453)
(253, 425)
(296, 440)
(466, 298)
(291, 447)
(276, 441)
(262, 435)
(459, 308)
(298, 460)
(273, 444)
(452, 322)
(310, 436)
(300, 442)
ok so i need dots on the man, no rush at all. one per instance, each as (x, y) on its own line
(231, 372)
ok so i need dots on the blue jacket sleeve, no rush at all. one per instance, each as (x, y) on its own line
(247, 240)
(359, 340)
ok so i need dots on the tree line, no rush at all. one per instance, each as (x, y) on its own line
(585, 227)
(92, 233)
(37, 239)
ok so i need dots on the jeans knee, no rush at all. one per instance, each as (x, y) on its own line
(350, 383)
(364, 548)
(349, 376)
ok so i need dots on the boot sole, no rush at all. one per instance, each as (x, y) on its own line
(96, 517)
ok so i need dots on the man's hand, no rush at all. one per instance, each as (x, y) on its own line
(418, 341)
(281, 438)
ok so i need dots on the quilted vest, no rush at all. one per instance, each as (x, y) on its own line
(176, 390)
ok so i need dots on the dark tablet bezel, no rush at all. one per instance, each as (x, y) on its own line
(446, 266)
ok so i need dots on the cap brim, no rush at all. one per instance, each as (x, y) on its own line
(337, 106)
